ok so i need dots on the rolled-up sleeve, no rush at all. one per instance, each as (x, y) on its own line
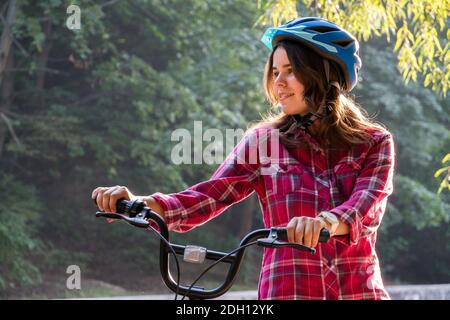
(232, 182)
(364, 210)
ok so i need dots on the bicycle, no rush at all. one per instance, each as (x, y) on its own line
(137, 214)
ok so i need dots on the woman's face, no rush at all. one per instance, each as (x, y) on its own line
(287, 88)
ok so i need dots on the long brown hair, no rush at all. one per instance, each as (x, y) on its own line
(347, 123)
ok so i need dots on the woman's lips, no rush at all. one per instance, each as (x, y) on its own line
(285, 96)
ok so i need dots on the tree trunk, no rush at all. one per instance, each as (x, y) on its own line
(43, 58)
(6, 75)
(7, 38)
(7, 89)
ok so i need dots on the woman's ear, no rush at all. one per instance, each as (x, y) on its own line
(336, 74)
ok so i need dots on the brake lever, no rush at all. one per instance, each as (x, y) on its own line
(110, 215)
(137, 221)
(274, 243)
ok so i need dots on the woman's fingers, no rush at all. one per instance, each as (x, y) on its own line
(305, 231)
(299, 231)
(116, 194)
(317, 226)
(99, 198)
(106, 197)
(291, 229)
(307, 237)
(95, 192)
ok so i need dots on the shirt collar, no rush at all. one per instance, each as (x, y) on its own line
(312, 141)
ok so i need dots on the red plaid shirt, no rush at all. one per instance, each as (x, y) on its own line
(353, 184)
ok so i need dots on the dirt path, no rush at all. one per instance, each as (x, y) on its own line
(405, 292)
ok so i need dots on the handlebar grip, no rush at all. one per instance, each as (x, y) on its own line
(121, 205)
(323, 237)
(128, 207)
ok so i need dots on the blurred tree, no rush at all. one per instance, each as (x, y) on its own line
(97, 106)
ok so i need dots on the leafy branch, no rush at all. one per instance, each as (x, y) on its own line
(446, 181)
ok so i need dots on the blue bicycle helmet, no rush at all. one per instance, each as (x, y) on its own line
(326, 39)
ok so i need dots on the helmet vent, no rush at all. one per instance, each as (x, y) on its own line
(343, 43)
(322, 29)
(295, 22)
(308, 19)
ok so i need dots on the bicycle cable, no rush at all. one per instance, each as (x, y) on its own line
(215, 263)
(174, 255)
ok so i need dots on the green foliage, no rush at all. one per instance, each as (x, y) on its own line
(19, 210)
(114, 91)
(446, 181)
(418, 206)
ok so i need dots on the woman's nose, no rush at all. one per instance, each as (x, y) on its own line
(280, 81)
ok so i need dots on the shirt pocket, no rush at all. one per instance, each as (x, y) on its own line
(359, 273)
(284, 180)
(346, 174)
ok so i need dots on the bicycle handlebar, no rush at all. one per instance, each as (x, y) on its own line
(137, 214)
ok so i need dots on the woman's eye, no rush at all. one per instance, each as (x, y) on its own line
(275, 74)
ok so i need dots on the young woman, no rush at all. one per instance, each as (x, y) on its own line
(331, 167)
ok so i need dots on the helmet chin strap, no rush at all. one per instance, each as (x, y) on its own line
(307, 120)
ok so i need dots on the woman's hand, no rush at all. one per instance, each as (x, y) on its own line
(306, 230)
(106, 197)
